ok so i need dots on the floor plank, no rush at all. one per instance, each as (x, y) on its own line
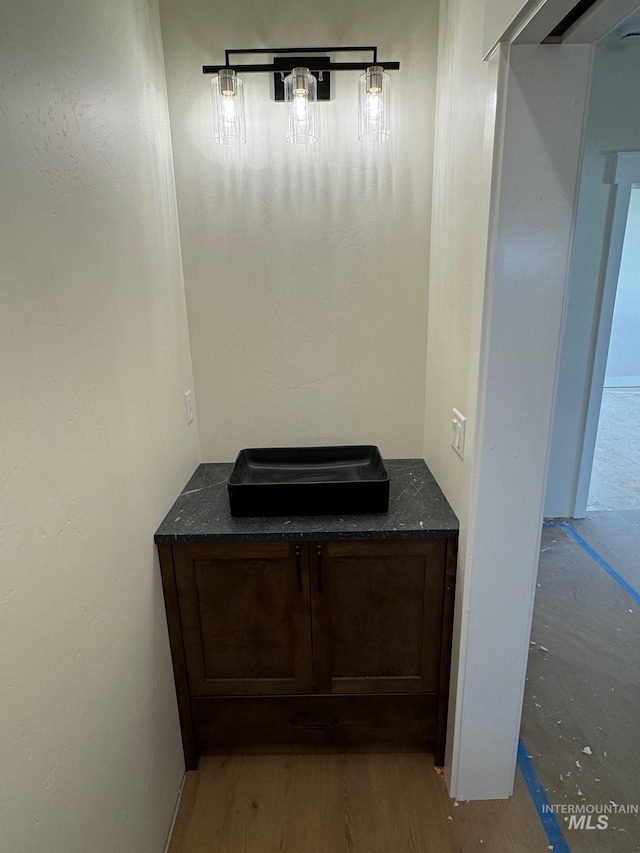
(293, 800)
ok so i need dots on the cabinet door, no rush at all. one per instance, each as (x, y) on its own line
(245, 617)
(377, 616)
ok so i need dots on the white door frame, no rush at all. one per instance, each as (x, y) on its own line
(541, 101)
(626, 173)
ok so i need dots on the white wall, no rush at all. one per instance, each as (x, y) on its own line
(465, 116)
(613, 124)
(94, 445)
(623, 361)
(306, 270)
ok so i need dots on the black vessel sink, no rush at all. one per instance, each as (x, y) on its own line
(308, 481)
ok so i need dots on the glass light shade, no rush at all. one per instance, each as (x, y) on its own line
(373, 98)
(228, 108)
(300, 95)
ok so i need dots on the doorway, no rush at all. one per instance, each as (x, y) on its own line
(615, 476)
(576, 717)
(610, 171)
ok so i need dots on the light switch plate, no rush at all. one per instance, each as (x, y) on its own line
(188, 405)
(458, 429)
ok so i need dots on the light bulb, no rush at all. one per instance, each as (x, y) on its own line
(300, 93)
(228, 108)
(300, 107)
(373, 116)
(373, 107)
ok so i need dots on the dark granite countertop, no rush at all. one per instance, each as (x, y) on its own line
(417, 510)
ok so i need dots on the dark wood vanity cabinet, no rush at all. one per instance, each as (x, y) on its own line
(310, 641)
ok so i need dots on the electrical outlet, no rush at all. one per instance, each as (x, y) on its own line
(458, 428)
(188, 405)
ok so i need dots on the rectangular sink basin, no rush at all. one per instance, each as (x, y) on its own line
(308, 481)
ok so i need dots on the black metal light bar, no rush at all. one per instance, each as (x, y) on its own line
(328, 66)
(320, 66)
(373, 49)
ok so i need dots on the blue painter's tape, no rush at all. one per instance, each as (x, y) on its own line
(602, 563)
(539, 797)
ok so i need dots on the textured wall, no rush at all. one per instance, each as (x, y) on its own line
(93, 442)
(305, 270)
(464, 137)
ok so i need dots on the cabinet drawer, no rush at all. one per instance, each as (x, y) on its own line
(396, 718)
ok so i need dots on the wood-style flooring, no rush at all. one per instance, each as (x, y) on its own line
(335, 801)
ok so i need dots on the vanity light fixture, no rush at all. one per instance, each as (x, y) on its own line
(301, 77)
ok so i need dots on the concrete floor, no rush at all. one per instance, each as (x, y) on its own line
(582, 700)
(615, 479)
